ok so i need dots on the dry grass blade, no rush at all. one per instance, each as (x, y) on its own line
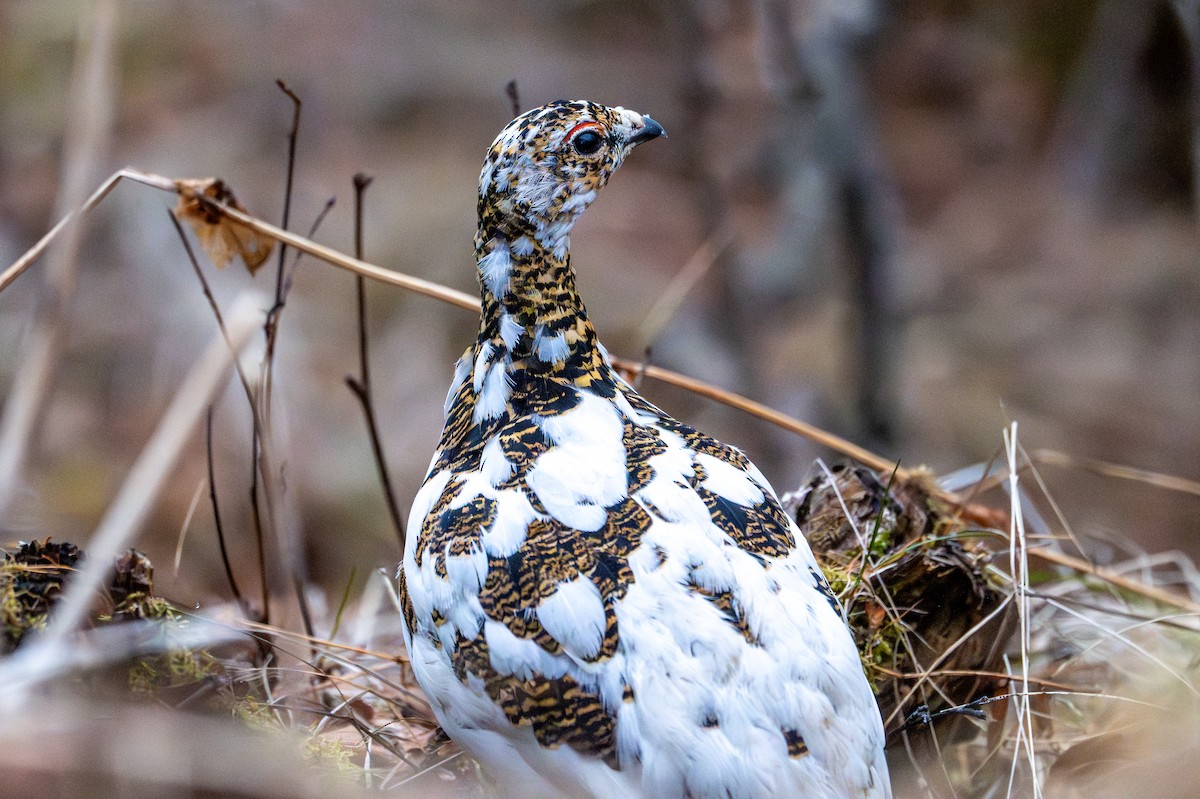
(30, 257)
(755, 408)
(670, 300)
(1119, 580)
(1167, 482)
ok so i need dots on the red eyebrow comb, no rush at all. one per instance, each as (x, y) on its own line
(583, 125)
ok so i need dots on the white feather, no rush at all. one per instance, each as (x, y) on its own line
(550, 348)
(510, 330)
(493, 466)
(574, 616)
(496, 269)
(521, 246)
(464, 618)
(513, 516)
(493, 398)
(423, 502)
(585, 472)
(728, 481)
(467, 573)
(519, 656)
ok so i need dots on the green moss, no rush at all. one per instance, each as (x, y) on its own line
(31, 581)
(329, 753)
(255, 713)
(172, 666)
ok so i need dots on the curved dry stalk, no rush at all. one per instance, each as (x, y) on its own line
(471, 303)
(33, 253)
(755, 408)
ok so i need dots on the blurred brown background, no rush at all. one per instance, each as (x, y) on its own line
(933, 218)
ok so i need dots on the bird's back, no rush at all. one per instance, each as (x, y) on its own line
(608, 599)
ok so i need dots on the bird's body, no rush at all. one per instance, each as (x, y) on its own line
(600, 600)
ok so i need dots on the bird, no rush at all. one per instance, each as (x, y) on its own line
(600, 600)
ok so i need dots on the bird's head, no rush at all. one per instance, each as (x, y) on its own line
(546, 166)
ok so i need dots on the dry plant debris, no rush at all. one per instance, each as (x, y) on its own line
(221, 237)
(921, 597)
(31, 579)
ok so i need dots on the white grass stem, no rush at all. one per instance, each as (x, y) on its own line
(1019, 568)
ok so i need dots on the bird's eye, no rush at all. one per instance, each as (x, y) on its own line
(587, 142)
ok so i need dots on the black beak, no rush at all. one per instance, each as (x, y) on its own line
(650, 130)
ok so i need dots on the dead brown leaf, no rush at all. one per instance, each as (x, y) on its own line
(221, 238)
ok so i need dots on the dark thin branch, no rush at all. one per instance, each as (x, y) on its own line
(212, 495)
(271, 325)
(921, 717)
(257, 430)
(271, 331)
(312, 233)
(293, 135)
(361, 182)
(256, 517)
(514, 96)
(361, 386)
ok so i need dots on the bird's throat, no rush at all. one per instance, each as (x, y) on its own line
(532, 311)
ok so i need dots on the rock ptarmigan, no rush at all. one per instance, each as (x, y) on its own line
(600, 600)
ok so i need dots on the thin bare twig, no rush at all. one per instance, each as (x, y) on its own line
(256, 467)
(293, 135)
(514, 96)
(265, 512)
(216, 509)
(361, 386)
(673, 296)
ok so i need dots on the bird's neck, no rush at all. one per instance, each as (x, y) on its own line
(532, 313)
